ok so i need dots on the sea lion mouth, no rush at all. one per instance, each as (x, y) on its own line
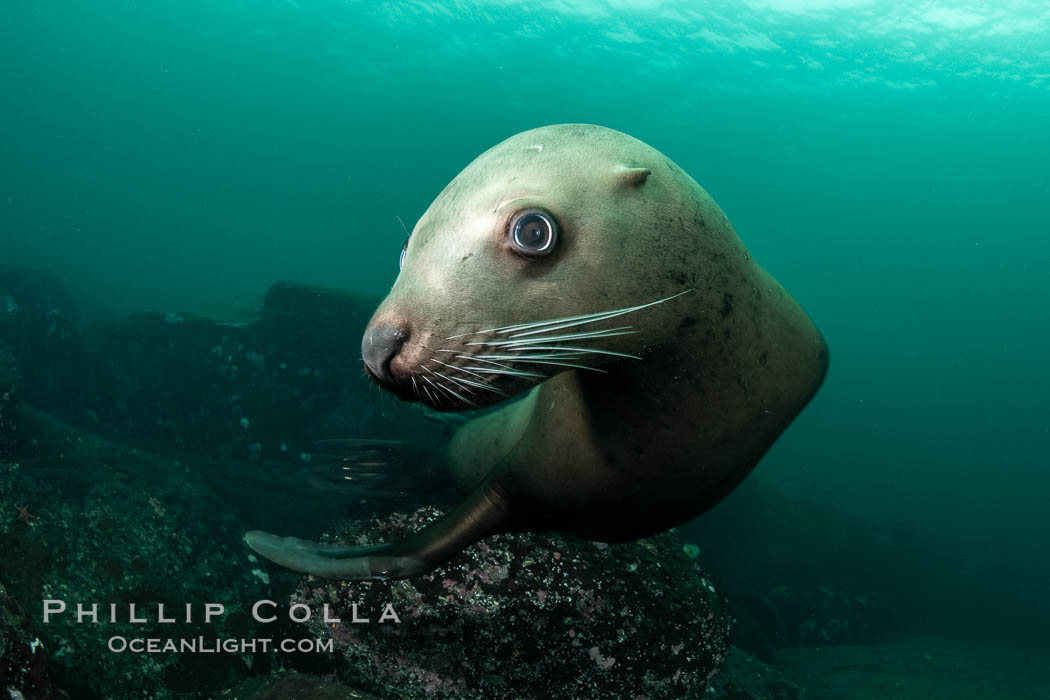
(481, 368)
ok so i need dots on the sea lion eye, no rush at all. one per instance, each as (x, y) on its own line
(401, 260)
(533, 232)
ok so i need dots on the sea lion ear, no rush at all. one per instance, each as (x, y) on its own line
(632, 177)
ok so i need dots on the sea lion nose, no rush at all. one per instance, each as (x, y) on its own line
(379, 346)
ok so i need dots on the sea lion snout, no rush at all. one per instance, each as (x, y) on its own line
(379, 346)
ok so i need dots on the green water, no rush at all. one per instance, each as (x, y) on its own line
(888, 162)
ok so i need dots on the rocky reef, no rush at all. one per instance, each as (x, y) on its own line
(10, 379)
(23, 658)
(293, 686)
(528, 615)
(243, 391)
(129, 471)
(744, 677)
(105, 525)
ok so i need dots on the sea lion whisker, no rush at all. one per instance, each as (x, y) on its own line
(520, 338)
(569, 320)
(541, 326)
(466, 384)
(550, 338)
(582, 351)
(403, 227)
(452, 367)
(454, 393)
(508, 372)
(545, 326)
(602, 331)
(535, 343)
(569, 365)
(433, 399)
(486, 348)
(479, 385)
(488, 362)
(439, 376)
(557, 354)
(442, 376)
(427, 369)
(535, 356)
(608, 332)
(482, 384)
(436, 386)
(546, 360)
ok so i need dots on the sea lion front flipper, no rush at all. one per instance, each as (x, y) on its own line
(483, 513)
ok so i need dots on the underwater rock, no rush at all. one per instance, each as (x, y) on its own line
(747, 634)
(528, 615)
(743, 677)
(314, 334)
(10, 378)
(36, 289)
(264, 390)
(110, 524)
(825, 575)
(185, 382)
(9, 309)
(10, 374)
(58, 371)
(23, 657)
(316, 323)
(293, 686)
(816, 616)
(267, 389)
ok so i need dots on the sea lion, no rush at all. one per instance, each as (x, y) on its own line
(582, 266)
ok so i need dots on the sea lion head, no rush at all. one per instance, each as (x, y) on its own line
(521, 266)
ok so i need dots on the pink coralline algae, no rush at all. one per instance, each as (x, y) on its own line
(603, 662)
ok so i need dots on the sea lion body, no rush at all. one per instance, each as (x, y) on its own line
(667, 360)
